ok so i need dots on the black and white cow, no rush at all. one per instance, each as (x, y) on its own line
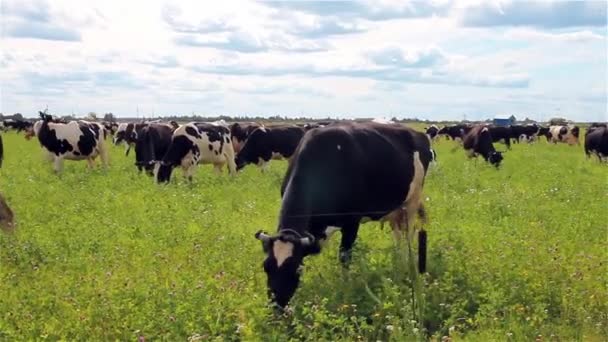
(197, 143)
(596, 142)
(479, 142)
(455, 131)
(501, 134)
(544, 132)
(340, 175)
(151, 145)
(76, 140)
(432, 132)
(127, 133)
(110, 126)
(565, 134)
(266, 143)
(239, 132)
(524, 132)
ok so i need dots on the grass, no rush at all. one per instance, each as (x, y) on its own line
(514, 254)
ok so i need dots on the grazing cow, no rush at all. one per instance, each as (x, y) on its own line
(432, 132)
(501, 133)
(197, 143)
(265, 143)
(7, 222)
(544, 131)
(596, 142)
(18, 125)
(455, 131)
(151, 146)
(76, 140)
(111, 127)
(565, 134)
(339, 176)
(479, 141)
(127, 133)
(239, 132)
(527, 132)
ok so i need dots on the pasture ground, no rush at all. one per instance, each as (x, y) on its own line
(515, 254)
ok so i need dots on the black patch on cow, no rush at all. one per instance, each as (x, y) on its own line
(87, 141)
(193, 132)
(210, 147)
(227, 140)
(76, 153)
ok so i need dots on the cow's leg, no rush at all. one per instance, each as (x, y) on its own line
(349, 235)
(90, 163)
(217, 168)
(508, 143)
(103, 154)
(58, 164)
(188, 172)
(231, 163)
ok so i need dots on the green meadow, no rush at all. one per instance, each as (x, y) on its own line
(515, 254)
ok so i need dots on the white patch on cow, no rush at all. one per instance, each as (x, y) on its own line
(276, 156)
(329, 231)
(339, 147)
(402, 219)
(282, 251)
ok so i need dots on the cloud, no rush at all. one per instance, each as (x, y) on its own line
(272, 89)
(172, 16)
(535, 13)
(395, 56)
(246, 42)
(43, 31)
(369, 10)
(568, 37)
(393, 73)
(29, 19)
(320, 27)
(163, 62)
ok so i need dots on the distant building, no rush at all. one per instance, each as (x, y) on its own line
(503, 120)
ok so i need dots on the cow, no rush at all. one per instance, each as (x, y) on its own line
(110, 126)
(265, 143)
(432, 132)
(595, 125)
(151, 145)
(501, 133)
(127, 133)
(565, 134)
(239, 132)
(7, 222)
(76, 140)
(455, 131)
(338, 176)
(479, 141)
(596, 142)
(197, 143)
(544, 132)
(18, 125)
(527, 132)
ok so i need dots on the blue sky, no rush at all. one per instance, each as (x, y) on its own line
(436, 59)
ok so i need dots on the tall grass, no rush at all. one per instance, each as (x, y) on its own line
(514, 254)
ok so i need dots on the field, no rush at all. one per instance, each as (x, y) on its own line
(515, 254)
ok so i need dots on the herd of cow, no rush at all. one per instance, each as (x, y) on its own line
(333, 181)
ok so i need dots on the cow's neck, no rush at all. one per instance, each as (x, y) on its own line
(295, 211)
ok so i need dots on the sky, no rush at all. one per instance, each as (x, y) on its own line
(435, 59)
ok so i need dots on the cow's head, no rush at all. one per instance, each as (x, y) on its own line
(6, 216)
(575, 131)
(283, 264)
(254, 149)
(495, 158)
